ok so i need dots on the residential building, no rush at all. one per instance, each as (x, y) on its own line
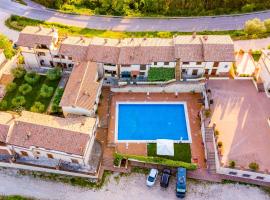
(43, 137)
(264, 67)
(193, 56)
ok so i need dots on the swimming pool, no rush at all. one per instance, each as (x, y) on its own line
(149, 121)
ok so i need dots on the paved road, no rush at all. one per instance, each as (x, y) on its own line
(132, 187)
(131, 24)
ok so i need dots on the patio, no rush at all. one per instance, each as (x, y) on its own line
(197, 150)
(240, 114)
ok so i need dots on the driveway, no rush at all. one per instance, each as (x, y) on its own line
(131, 187)
(241, 114)
(132, 24)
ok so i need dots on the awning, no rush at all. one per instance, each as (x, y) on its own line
(165, 147)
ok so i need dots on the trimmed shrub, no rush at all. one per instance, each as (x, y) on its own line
(18, 101)
(232, 164)
(3, 105)
(37, 107)
(254, 26)
(53, 74)
(46, 91)
(253, 166)
(11, 87)
(267, 25)
(220, 144)
(31, 77)
(18, 72)
(25, 88)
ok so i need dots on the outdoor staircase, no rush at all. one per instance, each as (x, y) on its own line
(209, 142)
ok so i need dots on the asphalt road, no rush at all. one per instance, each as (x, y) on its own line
(35, 11)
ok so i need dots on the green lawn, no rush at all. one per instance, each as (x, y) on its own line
(18, 23)
(161, 74)
(14, 197)
(33, 95)
(181, 152)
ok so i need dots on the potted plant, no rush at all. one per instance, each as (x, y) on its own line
(253, 166)
(232, 164)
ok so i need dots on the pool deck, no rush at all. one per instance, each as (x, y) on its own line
(197, 149)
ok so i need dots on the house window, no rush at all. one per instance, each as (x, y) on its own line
(166, 63)
(198, 63)
(37, 152)
(195, 72)
(142, 73)
(226, 66)
(70, 65)
(125, 65)
(41, 54)
(155, 63)
(41, 62)
(75, 161)
(185, 63)
(143, 67)
(56, 56)
(50, 155)
(216, 64)
(24, 153)
(184, 71)
(70, 58)
(62, 56)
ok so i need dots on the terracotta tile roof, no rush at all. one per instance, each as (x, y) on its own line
(69, 135)
(33, 35)
(6, 120)
(82, 87)
(25, 134)
(3, 132)
(103, 54)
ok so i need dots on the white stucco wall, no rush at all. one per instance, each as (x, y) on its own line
(78, 111)
(30, 60)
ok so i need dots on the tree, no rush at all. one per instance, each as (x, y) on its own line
(53, 74)
(3, 105)
(18, 101)
(18, 72)
(37, 107)
(31, 77)
(7, 46)
(267, 25)
(254, 26)
(11, 87)
(46, 91)
(25, 88)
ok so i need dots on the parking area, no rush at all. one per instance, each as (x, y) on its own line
(241, 117)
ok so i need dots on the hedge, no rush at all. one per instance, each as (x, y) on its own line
(156, 160)
(25, 89)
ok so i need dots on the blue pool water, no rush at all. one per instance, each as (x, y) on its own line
(152, 121)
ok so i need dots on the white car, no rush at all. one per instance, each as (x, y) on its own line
(151, 178)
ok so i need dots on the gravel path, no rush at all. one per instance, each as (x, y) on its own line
(132, 187)
(34, 11)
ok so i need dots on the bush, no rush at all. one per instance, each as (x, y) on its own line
(220, 144)
(3, 105)
(37, 107)
(117, 159)
(232, 164)
(18, 72)
(216, 132)
(53, 74)
(254, 26)
(18, 101)
(11, 87)
(207, 113)
(25, 88)
(253, 166)
(57, 98)
(46, 91)
(267, 25)
(6, 44)
(31, 77)
(248, 8)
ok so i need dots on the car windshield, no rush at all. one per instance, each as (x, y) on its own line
(181, 190)
(151, 179)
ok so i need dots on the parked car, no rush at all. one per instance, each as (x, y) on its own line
(165, 178)
(151, 178)
(181, 182)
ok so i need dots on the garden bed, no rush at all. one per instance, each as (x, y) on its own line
(161, 74)
(181, 152)
(31, 97)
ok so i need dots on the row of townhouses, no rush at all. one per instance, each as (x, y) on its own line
(192, 56)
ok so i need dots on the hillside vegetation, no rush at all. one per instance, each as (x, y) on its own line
(157, 7)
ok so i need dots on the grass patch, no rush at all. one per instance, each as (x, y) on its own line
(15, 197)
(256, 55)
(158, 160)
(18, 23)
(31, 97)
(72, 180)
(161, 74)
(181, 152)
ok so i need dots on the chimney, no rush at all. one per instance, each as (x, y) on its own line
(205, 37)
(194, 34)
(28, 135)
